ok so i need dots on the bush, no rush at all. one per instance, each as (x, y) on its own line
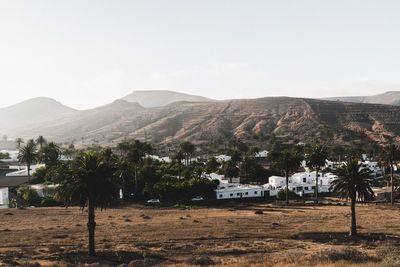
(29, 195)
(49, 202)
(282, 194)
(346, 254)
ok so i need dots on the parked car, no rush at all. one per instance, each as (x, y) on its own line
(153, 200)
(198, 198)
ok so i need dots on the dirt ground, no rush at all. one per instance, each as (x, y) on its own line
(229, 235)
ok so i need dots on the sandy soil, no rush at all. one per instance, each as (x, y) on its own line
(230, 235)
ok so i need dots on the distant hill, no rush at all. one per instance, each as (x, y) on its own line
(388, 98)
(32, 112)
(300, 119)
(159, 98)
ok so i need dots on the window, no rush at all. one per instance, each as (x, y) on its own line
(255, 192)
(220, 195)
(304, 180)
(294, 189)
(306, 188)
(231, 195)
(246, 193)
(313, 187)
(238, 194)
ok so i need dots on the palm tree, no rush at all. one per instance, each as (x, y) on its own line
(391, 155)
(287, 161)
(41, 141)
(353, 182)
(19, 142)
(316, 160)
(230, 170)
(28, 155)
(90, 184)
(188, 149)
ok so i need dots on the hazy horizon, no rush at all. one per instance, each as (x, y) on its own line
(87, 54)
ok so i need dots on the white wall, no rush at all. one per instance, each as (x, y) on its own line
(4, 199)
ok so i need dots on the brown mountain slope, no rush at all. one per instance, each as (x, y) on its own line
(307, 120)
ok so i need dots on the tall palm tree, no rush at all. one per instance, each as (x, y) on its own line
(353, 182)
(28, 155)
(41, 141)
(390, 155)
(19, 142)
(316, 160)
(90, 184)
(188, 149)
(287, 161)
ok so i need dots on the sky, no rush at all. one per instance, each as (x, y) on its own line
(86, 53)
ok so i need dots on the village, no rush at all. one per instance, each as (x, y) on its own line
(301, 183)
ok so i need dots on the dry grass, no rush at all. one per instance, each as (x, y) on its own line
(225, 236)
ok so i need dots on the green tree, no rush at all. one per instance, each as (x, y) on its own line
(288, 161)
(51, 153)
(212, 165)
(90, 184)
(316, 160)
(230, 170)
(28, 155)
(390, 156)
(353, 182)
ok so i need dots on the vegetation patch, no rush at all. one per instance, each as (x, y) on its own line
(346, 254)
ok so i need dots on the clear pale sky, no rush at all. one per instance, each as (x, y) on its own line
(86, 53)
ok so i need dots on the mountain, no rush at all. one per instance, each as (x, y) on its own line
(159, 98)
(216, 122)
(32, 112)
(387, 98)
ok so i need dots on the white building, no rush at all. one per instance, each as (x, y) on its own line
(374, 167)
(239, 191)
(223, 158)
(4, 198)
(23, 171)
(262, 154)
(302, 183)
(44, 190)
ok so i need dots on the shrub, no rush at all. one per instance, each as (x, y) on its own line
(49, 202)
(29, 195)
(346, 254)
(282, 194)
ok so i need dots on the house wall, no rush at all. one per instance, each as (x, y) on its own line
(4, 198)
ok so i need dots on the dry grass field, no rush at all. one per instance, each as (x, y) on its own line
(234, 235)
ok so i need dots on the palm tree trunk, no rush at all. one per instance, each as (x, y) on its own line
(29, 172)
(91, 227)
(136, 184)
(316, 187)
(353, 223)
(287, 188)
(391, 184)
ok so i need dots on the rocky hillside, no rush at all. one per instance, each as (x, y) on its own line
(293, 118)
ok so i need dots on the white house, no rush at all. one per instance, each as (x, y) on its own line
(301, 183)
(239, 191)
(24, 170)
(44, 190)
(4, 198)
(262, 154)
(223, 158)
(374, 167)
